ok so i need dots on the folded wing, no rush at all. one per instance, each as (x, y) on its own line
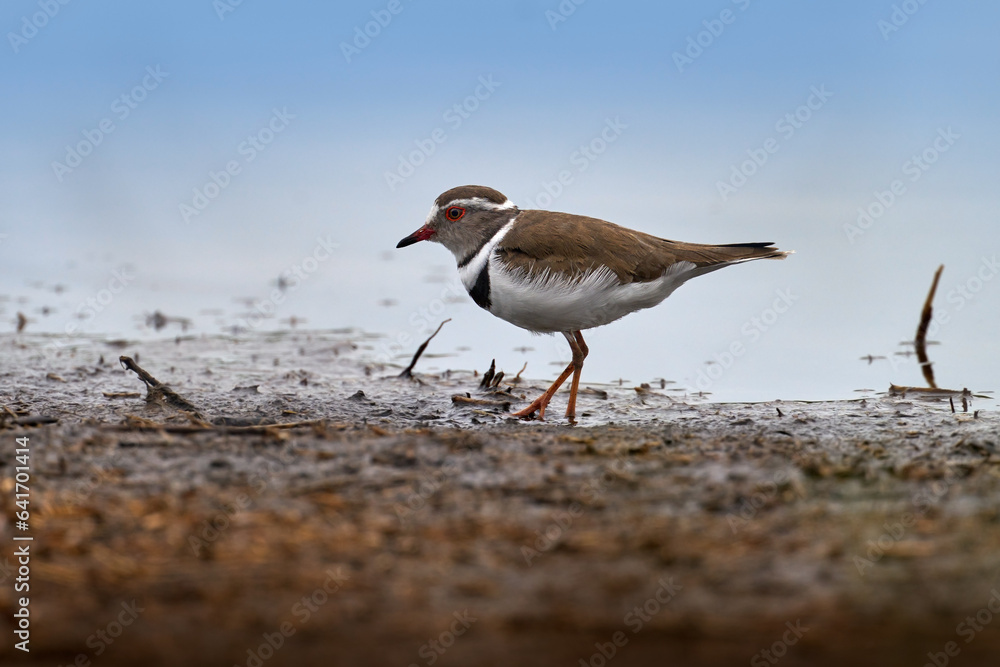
(545, 242)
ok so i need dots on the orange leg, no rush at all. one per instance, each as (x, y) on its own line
(540, 403)
(580, 350)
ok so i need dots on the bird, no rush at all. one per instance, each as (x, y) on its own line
(551, 272)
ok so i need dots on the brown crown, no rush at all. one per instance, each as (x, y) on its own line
(471, 192)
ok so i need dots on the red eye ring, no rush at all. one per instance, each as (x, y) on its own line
(454, 213)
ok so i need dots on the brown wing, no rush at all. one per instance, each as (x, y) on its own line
(577, 245)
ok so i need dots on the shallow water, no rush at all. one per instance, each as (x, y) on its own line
(337, 374)
(755, 357)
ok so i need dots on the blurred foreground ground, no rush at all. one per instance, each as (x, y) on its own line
(394, 527)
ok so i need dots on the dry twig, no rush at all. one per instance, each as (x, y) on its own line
(920, 342)
(468, 400)
(156, 390)
(488, 375)
(134, 423)
(517, 378)
(408, 371)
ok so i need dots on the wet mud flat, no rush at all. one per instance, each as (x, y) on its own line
(317, 510)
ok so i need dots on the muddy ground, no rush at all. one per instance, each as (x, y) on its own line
(393, 526)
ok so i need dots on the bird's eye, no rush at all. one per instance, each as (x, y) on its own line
(454, 213)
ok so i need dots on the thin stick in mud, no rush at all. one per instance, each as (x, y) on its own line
(157, 390)
(488, 375)
(920, 342)
(517, 378)
(408, 371)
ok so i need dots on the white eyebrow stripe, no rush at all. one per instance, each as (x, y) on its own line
(479, 201)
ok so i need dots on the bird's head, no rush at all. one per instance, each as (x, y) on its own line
(463, 218)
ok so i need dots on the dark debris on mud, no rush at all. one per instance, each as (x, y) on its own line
(307, 472)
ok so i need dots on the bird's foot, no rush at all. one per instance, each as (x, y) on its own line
(538, 405)
(528, 413)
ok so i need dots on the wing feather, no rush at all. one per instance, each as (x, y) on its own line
(543, 242)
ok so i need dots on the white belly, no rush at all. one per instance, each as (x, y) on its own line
(550, 303)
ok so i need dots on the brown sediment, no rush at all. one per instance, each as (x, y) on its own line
(872, 524)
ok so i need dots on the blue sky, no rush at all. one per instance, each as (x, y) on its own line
(555, 86)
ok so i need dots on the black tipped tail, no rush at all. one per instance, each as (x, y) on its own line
(707, 258)
(761, 244)
(747, 251)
